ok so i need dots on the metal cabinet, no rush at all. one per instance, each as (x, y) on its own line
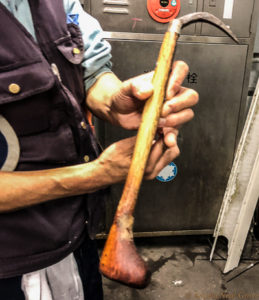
(193, 198)
(132, 16)
(219, 71)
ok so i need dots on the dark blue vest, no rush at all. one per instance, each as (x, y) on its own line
(48, 116)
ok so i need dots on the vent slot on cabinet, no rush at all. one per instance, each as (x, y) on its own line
(117, 9)
(116, 2)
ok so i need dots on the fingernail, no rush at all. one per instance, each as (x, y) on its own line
(144, 88)
(161, 122)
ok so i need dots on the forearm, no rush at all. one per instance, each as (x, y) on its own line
(99, 96)
(21, 189)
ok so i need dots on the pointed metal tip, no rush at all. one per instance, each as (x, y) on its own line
(207, 17)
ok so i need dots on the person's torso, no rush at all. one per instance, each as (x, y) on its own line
(42, 98)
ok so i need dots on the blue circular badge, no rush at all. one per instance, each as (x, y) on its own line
(168, 173)
(9, 146)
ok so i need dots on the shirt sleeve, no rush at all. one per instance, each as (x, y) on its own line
(97, 53)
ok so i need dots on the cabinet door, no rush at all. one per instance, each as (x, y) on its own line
(236, 14)
(192, 200)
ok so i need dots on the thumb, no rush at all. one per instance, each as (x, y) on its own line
(139, 87)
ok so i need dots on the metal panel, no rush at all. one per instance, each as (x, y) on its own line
(238, 19)
(192, 200)
(256, 48)
(242, 191)
(87, 5)
(132, 16)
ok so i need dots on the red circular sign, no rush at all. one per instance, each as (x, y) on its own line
(163, 11)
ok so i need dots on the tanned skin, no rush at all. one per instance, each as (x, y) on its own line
(119, 103)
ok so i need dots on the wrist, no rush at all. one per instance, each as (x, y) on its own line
(100, 95)
(85, 178)
(109, 171)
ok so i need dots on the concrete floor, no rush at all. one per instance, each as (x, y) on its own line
(182, 270)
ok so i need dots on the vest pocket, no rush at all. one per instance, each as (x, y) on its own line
(31, 102)
(24, 97)
(25, 81)
(72, 46)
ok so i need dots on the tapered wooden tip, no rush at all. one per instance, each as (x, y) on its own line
(120, 260)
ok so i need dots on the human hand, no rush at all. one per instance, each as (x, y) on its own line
(116, 159)
(127, 106)
(128, 102)
(126, 109)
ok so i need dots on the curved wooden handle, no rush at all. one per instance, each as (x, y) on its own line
(120, 260)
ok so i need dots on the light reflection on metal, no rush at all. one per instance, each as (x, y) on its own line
(116, 10)
(242, 191)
